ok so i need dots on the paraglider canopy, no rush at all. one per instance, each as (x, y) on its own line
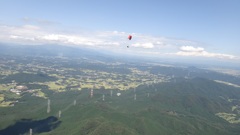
(130, 37)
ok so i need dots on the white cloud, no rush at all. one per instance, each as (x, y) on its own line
(21, 38)
(52, 37)
(112, 40)
(30, 34)
(191, 49)
(200, 52)
(143, 45)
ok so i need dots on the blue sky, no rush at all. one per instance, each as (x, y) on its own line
(166, 28)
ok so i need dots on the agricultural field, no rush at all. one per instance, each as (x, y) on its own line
(126, 98)
(64, 74)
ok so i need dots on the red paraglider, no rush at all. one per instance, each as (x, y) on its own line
(129, 37)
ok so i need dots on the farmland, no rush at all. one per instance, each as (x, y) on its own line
(154, 98)
(63, 74)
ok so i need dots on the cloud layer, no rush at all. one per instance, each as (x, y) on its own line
(29, 34)
(191, 49)
(112, 40)
(199, 51)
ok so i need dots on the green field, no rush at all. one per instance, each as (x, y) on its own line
(167, 101)
(178, 108)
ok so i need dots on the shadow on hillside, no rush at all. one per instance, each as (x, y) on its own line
(38, 126)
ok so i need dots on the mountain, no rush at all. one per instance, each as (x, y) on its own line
(47, 50)
(73, 52)
(188, 106)
(192, 72)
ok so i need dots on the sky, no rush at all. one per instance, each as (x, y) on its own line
(191, 29)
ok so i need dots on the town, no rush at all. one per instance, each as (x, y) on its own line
(29, 74)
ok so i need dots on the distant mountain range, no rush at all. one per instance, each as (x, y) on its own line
(64, 51)
(104, 55)
(47, 50)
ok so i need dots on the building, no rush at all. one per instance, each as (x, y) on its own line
(21, 87)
